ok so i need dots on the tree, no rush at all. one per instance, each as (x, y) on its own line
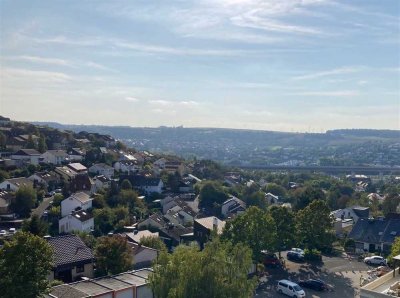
(255, 228)
(212, 194)
(25, 262)
(126, 184)
(35, 226)
(395, 251)
(42, 146)
(30, 144)
(275, 189)
(284, 220)
(306, 195)
(220, 270)
(390, 204)
(314, 226)
(103, 220)
(25, 199)
(257, 199)
(113, 255)
(153, 242)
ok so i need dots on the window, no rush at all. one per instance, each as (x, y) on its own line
(80, 268)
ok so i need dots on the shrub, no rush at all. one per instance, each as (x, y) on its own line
(312, 255)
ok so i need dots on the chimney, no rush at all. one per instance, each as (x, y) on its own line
(215, 224)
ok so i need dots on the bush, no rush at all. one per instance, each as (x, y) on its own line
(312, 255)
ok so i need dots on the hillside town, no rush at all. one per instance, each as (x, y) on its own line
(109, 219)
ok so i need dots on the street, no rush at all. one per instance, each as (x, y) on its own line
(341, 274)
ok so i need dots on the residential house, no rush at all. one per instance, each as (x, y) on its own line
(76, 154)
(49, 180)
(6, 198)
(71, 258)
(26, 156)
(101, 182)
(77, 168)
(13, 184)
(375, 235)
(82, 183)
(131, 284)
(80, 220)
(65, 173)
(55, 157)
(202, 228)
(171, 234)
(138, 235)
(144, 184)
(354, 213)
(77, 201)
(140, 157)
(143, 256)
(154, 221)
(271, 199)
(102, 169)
(127, 166)
(232, 206)
(181, 214)
(160, 163)
(173, 167)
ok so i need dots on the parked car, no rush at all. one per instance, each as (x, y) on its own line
(3, 233)
(270, 259)
(290, 288)
(299, 250)
(295, 256)
(315, 284)
(12, 230)
(375, 260)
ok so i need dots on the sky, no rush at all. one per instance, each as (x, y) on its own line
(286, 65)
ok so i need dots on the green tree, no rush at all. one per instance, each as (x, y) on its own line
(25, 262)
(126, 184)
(275, 189)
(103, 220)
(284, 220)
(113, 255)
(390, 204)
(220, 270)
(314, 226)
(212, 194)
(153, 242)
(35, 226)
(25, 199)
(30, 144)
(42, 146)
(257, 199)
(395, 251)
(304, 196)
(255, 228)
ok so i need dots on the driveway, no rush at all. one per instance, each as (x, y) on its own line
(42, 207)
(341, 274)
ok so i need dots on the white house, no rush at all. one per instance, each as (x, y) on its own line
(127, 166)
(160, 163)
(148, 184)
(354, 213)
(81, 221)
(102, 169)
(29, 156)
(79, 200)
(182, 214)
(76, 154)
(271, 199)
(55, 157)
(14, 184)
(232, 206)
(101, 182)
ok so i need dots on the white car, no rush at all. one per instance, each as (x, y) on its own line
(3, 233)
(290, 289)
(375, 260)
(298, 250)
(12, 230)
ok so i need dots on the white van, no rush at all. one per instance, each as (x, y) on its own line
(290, 289)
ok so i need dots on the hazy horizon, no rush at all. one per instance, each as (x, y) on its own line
(291, 66)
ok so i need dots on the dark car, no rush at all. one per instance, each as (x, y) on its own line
(295, 256)
(270, 259)
(315, 284)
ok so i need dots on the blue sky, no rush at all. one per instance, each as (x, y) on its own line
(288, 65)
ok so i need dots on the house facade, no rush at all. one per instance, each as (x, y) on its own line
(14, 184)
(81, 220)
(102, 169)
(55, 157)
(76, 201)
(26, 156)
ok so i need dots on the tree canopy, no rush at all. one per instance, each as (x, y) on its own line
(35, 226)
(255, 228)
(25, 262)
(113, 255)
(284, 220)
(220, 270)
(212, 195)
(25, 199)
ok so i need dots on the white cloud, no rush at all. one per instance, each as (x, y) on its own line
(340, 93)
(41, 60)
(19, 74)
(327, 73)
(131, 99)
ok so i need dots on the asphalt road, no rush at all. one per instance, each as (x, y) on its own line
(42, 207)
(341, 274)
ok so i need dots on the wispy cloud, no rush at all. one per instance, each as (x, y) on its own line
(41, 60)
(131, 99)
(17, 74)
(340, 93)
(327, 73)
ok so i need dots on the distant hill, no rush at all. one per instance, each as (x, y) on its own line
(343, 146)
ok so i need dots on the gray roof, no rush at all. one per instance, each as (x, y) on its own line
(69, 249)
(20, 181)
(82, 215)
(66, 291)
(82, 197)
(27, 152)
(375, 230)
(361, 211)
(90, 288)
(59, 153)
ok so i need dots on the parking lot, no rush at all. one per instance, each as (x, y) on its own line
(341, 274)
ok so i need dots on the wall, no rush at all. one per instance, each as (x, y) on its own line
(144, 292)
